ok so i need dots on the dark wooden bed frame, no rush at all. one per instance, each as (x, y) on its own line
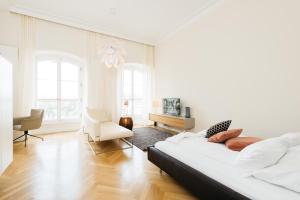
(202, 186)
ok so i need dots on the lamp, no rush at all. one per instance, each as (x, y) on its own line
(113, 55)
(125, 104)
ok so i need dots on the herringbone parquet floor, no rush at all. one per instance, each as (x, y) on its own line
(64, 167)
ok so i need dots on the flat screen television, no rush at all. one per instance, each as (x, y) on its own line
(171, 106)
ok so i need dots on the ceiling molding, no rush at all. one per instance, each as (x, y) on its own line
(189, 20)
(80, 24)
(76, 24)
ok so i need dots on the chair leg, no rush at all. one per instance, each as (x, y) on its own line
(127, 142)
(99, 152)
(25, 139)
(19, 137)
(36, 136)
(26, 134)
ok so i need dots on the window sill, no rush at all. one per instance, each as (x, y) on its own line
(55, 122)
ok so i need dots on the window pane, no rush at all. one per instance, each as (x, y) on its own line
(129, 111)
(46, 80)
(69, 72)
(47, 70)
(134, 91)
(138, 84)
(46, 89)
(50, 108)
(138, 106)
(127, 84)
(51, 82)
(69, 90)
(70, 109)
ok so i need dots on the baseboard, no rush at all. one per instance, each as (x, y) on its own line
(53, 128)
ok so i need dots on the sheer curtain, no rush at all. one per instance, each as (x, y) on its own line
(25, 76)
(93, 75)
(100, 81)
(149, 61)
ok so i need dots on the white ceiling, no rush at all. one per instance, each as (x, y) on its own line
(146, 21)
(4, 4)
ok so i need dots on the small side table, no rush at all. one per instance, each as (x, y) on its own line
(126, 122)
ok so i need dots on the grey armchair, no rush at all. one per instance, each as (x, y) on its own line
(34, 121)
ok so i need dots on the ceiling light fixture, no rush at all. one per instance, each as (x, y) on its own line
(113, 56)
(112, 11)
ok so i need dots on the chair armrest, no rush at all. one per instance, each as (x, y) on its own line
(92, 127)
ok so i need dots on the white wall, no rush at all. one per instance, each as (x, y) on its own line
(9, 28)
(239, 60)
(9, 38)
(6, 92)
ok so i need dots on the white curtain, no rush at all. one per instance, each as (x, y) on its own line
(149, 61)
(99, 80)
(101, 84)
(93, 75)
(24, 79)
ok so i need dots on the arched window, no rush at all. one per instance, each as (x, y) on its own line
(135, 90)
(59, 87)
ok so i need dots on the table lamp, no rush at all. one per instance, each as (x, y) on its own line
(126, 106)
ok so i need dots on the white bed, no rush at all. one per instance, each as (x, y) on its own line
(216, 161)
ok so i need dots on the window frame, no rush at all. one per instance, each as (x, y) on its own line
(59, 59)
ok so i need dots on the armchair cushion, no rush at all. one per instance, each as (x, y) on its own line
(31, 123)
(111, 130)
(99, 126)
(34, 121)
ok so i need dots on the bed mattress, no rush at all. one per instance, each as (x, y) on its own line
(216, 161)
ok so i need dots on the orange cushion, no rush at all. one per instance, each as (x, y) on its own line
(237, 144)
(225, 135)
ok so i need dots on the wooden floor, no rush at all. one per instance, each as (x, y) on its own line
(64, 167)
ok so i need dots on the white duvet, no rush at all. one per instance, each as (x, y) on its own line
(285, 173)
(217, 162)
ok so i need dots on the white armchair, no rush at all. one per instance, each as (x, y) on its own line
(99, 126)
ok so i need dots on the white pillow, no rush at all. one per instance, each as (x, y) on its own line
(291, 139)
(261, 154)
(202, 133)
